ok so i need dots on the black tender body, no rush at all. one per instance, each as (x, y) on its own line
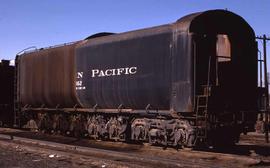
(191, 81)
(172, 64)
(148, 54)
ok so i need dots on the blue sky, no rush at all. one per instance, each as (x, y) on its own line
(50, 22)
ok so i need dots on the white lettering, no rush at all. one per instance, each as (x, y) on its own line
(79, 75)
(126, 71)
(107, 72)
(81, 88)
(113, 72)
(120, 70)
(101, 74)
(94, 72)
(78, 83)
(132, 70)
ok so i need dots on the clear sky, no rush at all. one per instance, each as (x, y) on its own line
(25, 23)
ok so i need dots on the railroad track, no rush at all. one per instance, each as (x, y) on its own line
(145, 156)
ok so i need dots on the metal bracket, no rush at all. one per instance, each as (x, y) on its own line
(75, 107)
(42, 106)
(57, 106)
(147, 108)
(120, 107)
(95, 107)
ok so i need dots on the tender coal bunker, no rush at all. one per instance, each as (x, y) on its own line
(99, 35)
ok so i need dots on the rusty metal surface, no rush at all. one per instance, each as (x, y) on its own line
(47, 77)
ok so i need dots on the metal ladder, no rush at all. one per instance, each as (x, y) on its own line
(16, 108)
(202, 114)
(202, 108)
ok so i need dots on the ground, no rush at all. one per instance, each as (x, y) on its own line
(252, 151)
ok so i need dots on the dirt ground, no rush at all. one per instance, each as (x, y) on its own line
(29, 157)
(20, 159)
(252, 151)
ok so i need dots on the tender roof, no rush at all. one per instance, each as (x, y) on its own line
(214, 20)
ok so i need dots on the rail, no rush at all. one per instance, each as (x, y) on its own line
(27, 51)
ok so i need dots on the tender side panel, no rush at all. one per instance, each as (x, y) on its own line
(47, 77)
(182, 99)
(132, 69)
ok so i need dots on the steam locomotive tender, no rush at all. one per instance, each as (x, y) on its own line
(177, 84)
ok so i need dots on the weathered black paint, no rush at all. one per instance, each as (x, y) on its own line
(167, 77)
(237, 86)
(174, 63)
(149, 50)
(171, 63)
